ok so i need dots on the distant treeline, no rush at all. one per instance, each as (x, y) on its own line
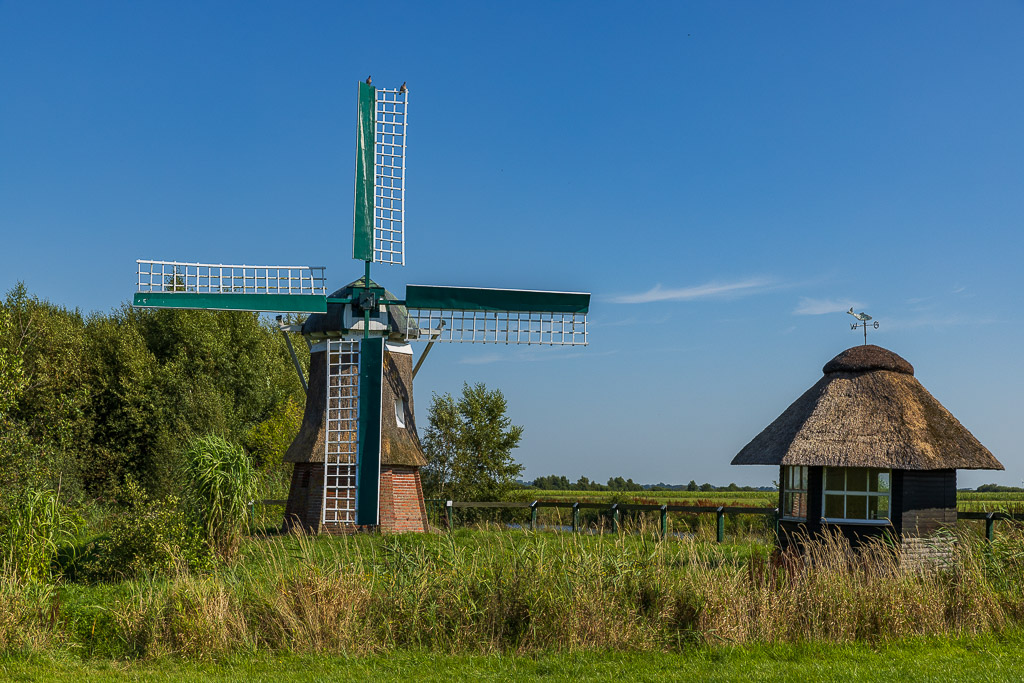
(556, 482)
(996, 488)
(89, 400)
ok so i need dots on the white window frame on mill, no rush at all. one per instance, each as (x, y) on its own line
(794, 492)
(880, 478)
(400, 412)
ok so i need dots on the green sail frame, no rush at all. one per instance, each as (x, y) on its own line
(371, 372)
(362, 218)
(268, 303)
(482, 299)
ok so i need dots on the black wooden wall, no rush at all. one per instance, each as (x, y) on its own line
(923, 500)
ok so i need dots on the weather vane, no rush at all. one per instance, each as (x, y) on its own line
(863, 318)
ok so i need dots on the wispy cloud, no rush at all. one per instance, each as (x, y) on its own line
(808, 306)
(705, 291)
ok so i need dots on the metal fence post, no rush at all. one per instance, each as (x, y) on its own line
(449, 511)
(533, 516)
(990, 526)
(575, 517)
(664, 521)
(615, 518)
(721, 524)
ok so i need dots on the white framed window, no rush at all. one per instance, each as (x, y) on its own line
(856, 494)
(794, 492)
(400, 412)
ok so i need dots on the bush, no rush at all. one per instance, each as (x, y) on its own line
(223, 482)
(147, 537)
(33, 527)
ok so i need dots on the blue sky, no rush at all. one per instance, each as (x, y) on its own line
(726, 178)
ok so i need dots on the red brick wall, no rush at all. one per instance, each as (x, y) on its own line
(401, 500)
(305, 496)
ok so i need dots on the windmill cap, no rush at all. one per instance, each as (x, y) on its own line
(866, 358)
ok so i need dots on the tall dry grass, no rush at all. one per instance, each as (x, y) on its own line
(530, 592)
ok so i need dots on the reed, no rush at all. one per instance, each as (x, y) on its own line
(479, 591)
(487, 592)
(224, 483)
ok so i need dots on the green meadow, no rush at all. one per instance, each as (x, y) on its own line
(494, 603)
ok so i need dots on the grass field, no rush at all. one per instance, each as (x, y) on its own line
(976, 658)
(736, 498)
(486, 592)
(500, 603)
(966, 500)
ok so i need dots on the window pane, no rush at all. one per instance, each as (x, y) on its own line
(883, 482)
(856, 507)
(834, 507)
(796, 505)
(835, 479)
(803, 477)
(879, 506)
(857, 479)
(791, 478)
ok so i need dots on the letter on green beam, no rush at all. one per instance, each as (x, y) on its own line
(479, 299)
(269, 303)
(362, 219)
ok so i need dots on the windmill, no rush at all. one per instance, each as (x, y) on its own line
(357, 455)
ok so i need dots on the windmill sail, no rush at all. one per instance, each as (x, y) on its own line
(378, 233)
(497, 316)
(220, 287)
(352, 435)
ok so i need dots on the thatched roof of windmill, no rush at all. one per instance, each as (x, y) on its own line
(399, 445)
(868, 411)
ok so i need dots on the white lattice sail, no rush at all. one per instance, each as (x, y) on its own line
(341, 442)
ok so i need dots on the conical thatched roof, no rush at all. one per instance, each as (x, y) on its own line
(868, 411)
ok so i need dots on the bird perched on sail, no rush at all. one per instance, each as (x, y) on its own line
(863, 317)
(369, 80)
(402, 89)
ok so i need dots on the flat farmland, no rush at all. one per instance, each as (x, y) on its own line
(967, 501)
(728, 498)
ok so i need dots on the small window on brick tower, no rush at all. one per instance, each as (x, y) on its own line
(400, 412)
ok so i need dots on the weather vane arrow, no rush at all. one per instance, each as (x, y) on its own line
(863, 318)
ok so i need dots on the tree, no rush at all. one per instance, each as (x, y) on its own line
(469, 446)
(692, 486)
(12, 376)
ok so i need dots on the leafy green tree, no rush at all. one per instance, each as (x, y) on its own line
(692, 486)
(12, 374)
(469, 446)
(552, 483)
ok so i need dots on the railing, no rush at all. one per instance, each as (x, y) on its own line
(614, 511)
(990, 520)
(448, 507)
(445, 513)
(218, 278)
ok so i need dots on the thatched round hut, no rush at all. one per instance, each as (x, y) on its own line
(865, 450)
(401, 492)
